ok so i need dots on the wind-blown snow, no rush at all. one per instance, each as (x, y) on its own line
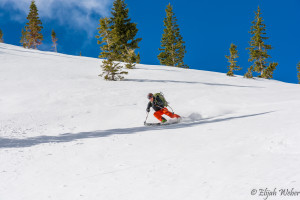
(65, 133)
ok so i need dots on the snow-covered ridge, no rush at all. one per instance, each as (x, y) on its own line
(62, 123)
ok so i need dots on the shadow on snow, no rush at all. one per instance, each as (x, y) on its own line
(190, 82)
(69, 137)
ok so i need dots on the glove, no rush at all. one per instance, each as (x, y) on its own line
(148, 109)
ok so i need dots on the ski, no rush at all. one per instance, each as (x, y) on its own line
(161, 124)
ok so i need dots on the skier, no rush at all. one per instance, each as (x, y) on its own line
(159, 106)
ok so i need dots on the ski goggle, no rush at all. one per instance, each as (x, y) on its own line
(150, 96)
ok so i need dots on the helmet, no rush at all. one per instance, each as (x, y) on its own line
(150, 95)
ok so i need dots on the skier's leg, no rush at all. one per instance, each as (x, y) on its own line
(158, 114)
(167, 112)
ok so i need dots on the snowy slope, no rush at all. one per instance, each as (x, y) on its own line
(67, 134)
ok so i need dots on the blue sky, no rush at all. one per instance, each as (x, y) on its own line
(208, 27)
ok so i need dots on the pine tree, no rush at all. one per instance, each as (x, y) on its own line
(123, 33)
(24, 40)
(232, 60)
(249, 73)
(258, 49)
(105, 34)
(138, 58)
(33, 27)
(111, 70)
(1, 36)
(298, 68)
(172, 44)
(54, 40)
(268, 72)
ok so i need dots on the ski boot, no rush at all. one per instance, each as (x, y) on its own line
(163, 120)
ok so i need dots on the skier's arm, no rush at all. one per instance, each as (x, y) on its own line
(149, 106)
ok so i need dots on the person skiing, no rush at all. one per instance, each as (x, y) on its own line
(158, 105)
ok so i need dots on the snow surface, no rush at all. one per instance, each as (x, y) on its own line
(67, 134)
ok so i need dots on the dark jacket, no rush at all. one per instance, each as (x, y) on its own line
(156, 105)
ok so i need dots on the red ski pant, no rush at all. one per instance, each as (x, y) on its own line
(158, 114)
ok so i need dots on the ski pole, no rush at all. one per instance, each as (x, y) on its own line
(146, 118)
(171, 109)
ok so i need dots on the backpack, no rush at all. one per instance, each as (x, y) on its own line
(162, 98)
